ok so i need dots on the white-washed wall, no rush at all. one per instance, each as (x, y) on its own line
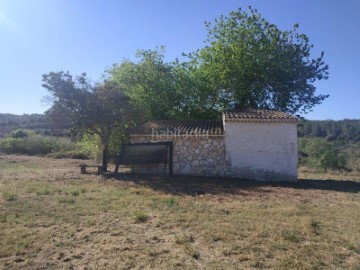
(192, 155)
(265, 151)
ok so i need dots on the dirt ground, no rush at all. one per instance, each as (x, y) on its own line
(53, 217)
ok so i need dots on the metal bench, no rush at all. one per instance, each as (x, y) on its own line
(145, 154)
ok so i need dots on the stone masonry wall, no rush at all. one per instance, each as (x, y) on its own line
(192, 155)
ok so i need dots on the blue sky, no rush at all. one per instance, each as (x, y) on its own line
(40, 36)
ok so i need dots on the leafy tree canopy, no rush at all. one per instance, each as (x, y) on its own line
(99, 109)
(148, 82)
(166, 90)
(249, 62)
(246, 63)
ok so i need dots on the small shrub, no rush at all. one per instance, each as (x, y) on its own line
(225, 211)
(315, 226)
(3, 219)
(322, 154)
(78, 155)
(141, 217)
(355, 248)
(170, 202)
(21, 133)
(75, 193)
(67, 200)
(216, 238)
(44, 191)
(40, 145)
(292, 236)
(65, 144)
(184, 239)
(24, 142)
(12, 145)
(192, 252)
(9, 196)
(91, 144)
(91, 222)
(74, 154)
(21, 245)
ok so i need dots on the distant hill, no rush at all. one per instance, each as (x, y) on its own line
(342, 130)
(345, 131)
(35, 122)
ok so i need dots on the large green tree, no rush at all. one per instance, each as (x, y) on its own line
(246, 63)
(149, 82)
(166, 90)
(98, 109)
(250, 63)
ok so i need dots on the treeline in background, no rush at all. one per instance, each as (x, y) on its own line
(329, 144)
(323, 145)
(343, 131)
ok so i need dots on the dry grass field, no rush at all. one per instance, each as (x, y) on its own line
(53, 217)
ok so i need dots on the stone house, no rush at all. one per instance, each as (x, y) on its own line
(249, 144)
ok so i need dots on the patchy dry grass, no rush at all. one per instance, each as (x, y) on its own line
(53, 217)
(308, 173)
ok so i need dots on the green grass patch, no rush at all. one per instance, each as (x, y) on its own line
(292, 236)
(75, 192)
(141, 217)
(315, 226)
(184, 239)
(9, 196)
(65, 200)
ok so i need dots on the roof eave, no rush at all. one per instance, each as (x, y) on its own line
(180, 135)
(290, 120)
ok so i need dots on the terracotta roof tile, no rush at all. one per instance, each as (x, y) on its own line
(212, 127)
(177, 127)
(258, 115)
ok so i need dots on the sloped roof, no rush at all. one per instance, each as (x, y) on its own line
(258, 115)
(212, 127)
(177, 127)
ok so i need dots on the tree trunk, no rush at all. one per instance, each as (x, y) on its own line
(104, 154)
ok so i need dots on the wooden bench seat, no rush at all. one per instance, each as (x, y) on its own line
(84, 166)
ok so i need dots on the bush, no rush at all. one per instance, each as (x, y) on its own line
(40, 145)
(75, 154)
(292, 236)
(141, 217)
(21, 133)
(36, 144)
(91, 144)
(321, 154)
(32, 145)
(12, 145)
(9, 196)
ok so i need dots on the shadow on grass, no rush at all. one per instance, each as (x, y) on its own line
(192, 185)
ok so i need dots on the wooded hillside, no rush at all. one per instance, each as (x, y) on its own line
(35, 122)
(345, 131)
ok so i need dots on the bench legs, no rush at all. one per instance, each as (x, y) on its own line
(100, 169)
(83, 169)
